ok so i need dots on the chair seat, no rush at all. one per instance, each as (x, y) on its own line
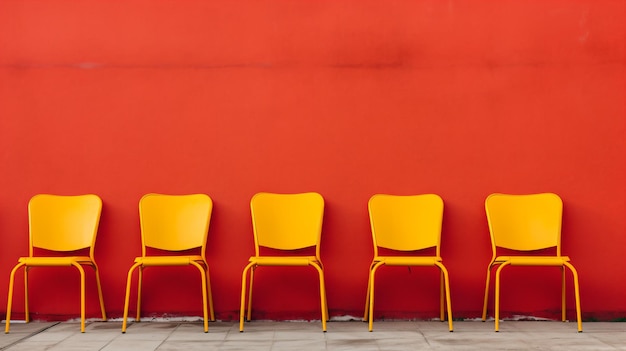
(284, 260)
(407, 260)
(168, 260)
(54, 261)
(533, 260)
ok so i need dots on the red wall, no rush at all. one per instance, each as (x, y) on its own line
(346, 98)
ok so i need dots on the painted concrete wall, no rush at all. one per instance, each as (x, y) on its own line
(346, 98)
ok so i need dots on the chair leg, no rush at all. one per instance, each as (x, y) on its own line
(497, 296)
(323, 305)
(139, 292)
(82, 295)
(486, 299)
(441, 296)
(250, 292)
(127, 295)
(367, 295)
(563, 304)
(326, 304)
(10, 298)
(242, 307)
(26, 305)
(100, 296)
(446, 283)
(371, 300)
(204, 295)
(577, 295)
(210, 295)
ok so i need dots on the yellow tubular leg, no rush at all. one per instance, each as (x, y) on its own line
(127, 297)
(252, 269)
(26, 306)
(82, 295)
(577, 295)
(367, 295)
(242, 307)
(486, 300)
(139, 288)
(497, 296)
(446, 281)
(208, 283)
(563, 306)
(323, 305)
(10, 299)
(372, 284)
(205, 312)
(100, 297)
(441, 296)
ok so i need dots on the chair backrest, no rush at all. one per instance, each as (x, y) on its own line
(406, 223)
(287, 221)
(63, 223)
(525, 222)
(174, 222)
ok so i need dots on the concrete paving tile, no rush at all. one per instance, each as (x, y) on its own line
(394, 335)
(299, 335)
(20, 331)
(123, 344)
(31, 346)
(195, 335)
(403, 344)
(51, 336)
(85, 345)
(351, 335)
(256, 345)
(296, 344)
(352, 344)
(104, 326)
(190, 346)
(149, 331)
(251, 335)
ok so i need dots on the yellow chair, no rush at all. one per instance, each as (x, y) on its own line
(64, 225)
(171, 224)
(524, 224)
(285, 222)
(402, 224)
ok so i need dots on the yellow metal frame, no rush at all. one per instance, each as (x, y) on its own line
(522, 224)
(63, 224)
(173, 223)
(407, 223)
(285, 222)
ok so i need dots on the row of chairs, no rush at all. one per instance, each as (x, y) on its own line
(406, 231)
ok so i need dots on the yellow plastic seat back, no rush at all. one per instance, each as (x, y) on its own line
(175, 222)
(406, 223)
(63, 223)
(287, 221)
(525, 222)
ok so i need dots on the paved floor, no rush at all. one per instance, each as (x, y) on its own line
(304, 336)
